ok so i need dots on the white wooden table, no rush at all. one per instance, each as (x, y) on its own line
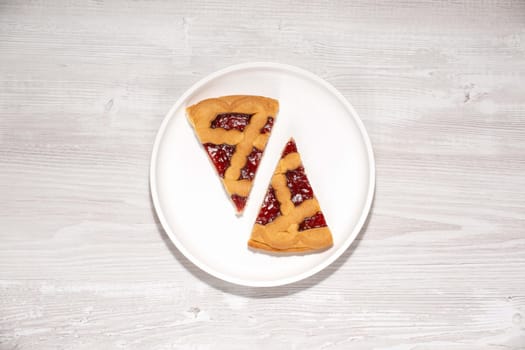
(84, 263)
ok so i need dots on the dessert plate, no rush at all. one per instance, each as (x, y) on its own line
(194, 209)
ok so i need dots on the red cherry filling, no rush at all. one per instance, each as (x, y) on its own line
(270, 209)
(252, 163)
(230, 121)
(268, 126)
(314, 221)
(290, 148)
(220, 155)
(299, 186)
(239, 201)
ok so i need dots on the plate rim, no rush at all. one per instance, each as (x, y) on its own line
(280, 281)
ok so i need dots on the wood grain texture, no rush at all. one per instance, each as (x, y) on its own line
(84, 263)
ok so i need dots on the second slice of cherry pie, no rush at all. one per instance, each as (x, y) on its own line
(290, 218)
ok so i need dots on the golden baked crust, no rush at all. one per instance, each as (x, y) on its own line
(284, 233)
(201, 116)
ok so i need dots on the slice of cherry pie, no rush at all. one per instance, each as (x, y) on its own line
(234, 131)
(290, 218)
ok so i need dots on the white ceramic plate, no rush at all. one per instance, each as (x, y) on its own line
(195, 210)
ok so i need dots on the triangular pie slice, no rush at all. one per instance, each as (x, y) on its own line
(234, 131)
(290, 218)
